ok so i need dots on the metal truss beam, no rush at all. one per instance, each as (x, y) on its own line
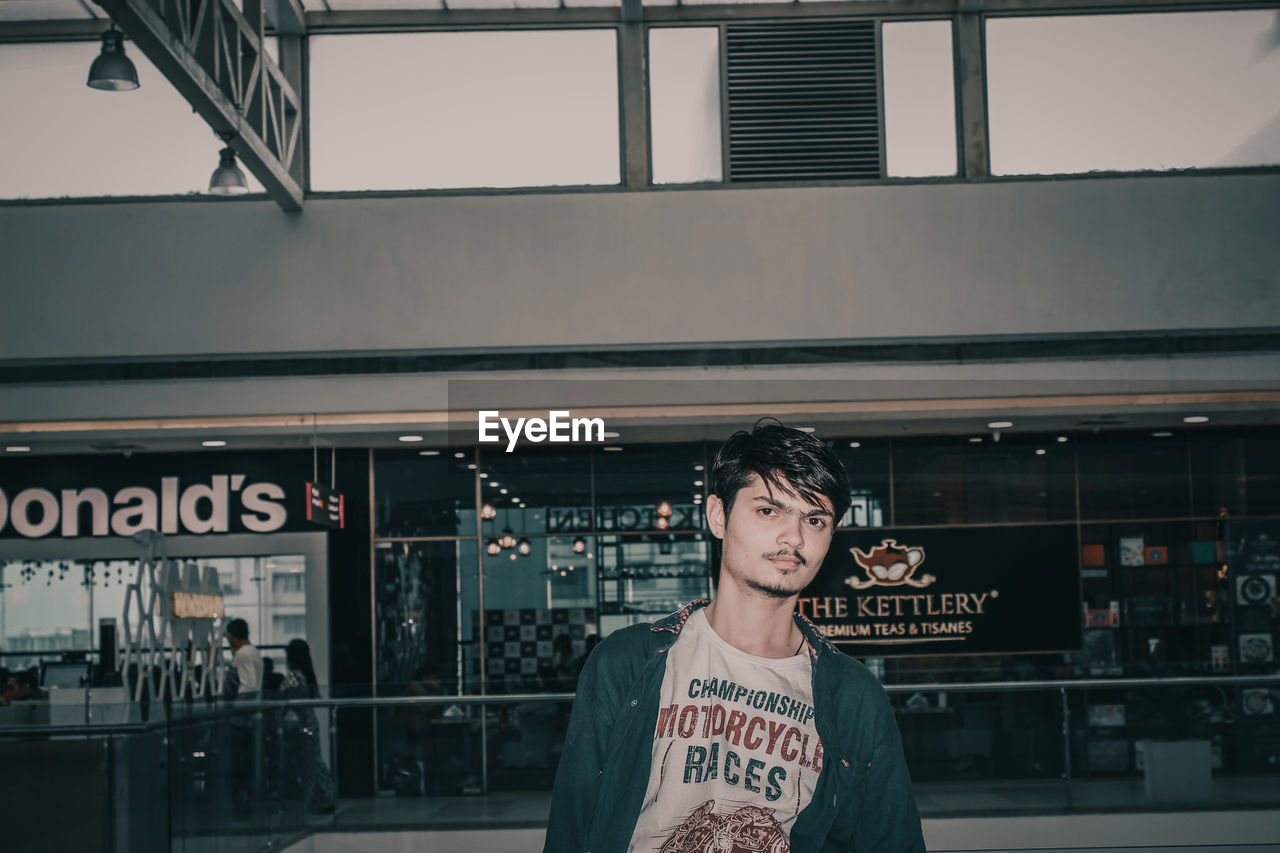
(411, 19)
(212, 53)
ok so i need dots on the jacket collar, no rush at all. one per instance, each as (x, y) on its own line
(675, 622)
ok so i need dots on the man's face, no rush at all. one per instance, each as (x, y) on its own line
(774, 541)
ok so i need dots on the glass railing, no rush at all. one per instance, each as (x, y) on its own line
(243, 776)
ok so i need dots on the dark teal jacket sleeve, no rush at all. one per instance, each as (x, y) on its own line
(888, 819)
(581, 763)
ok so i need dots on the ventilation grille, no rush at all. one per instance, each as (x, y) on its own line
(803, 101)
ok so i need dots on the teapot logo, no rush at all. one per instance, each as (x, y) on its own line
(890, 564)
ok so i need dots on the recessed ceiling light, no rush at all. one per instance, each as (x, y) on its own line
(1040, 451)
(1161, 435)
(1195, 419)
(213, 442)
(459, 455)
(471, 466)
(17, 448)
(484, 475)
(428, 452)
(855, 444)
(410, 438)
(999, 424)
(502, 491)
(975, 440)
(806, 429)
(611, 435)
(612, 448)
(697, 467)
(1062, 439)
(697, 482)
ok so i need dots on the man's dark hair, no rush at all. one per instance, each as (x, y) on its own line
(238, 628)
(29, 678)
(783, 458)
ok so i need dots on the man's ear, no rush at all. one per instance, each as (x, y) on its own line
(716, 516)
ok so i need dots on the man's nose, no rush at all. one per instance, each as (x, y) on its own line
(792, 532)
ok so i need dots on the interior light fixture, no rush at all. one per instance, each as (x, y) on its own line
(999, 424)
(1195, 419)
(410, 438)
(697, 467)
(807, 429)
(459, 455)
(428, 452)
(855, 444)
(579, 545)
(524, 547)
(493, 548)
(1162, 434)
(1040, 451)
(697, 482)
(977, 439)
(613, 449)
(213, 442)
(112, 71)
(508, 539)
(17, 448)
(664, 509)
(1062, 439)
(487, 512)
(662, 522)
(227, 179)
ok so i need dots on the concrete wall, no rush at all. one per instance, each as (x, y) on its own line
(707, 266)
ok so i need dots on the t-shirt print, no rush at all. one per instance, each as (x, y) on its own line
(736, 756)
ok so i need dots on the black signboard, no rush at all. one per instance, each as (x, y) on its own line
(173, 493)
(325, 507)
(947, 591)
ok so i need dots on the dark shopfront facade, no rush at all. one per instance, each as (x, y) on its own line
(1113, 554)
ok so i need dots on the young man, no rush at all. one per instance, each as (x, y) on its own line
(244, 678)
(735, 725)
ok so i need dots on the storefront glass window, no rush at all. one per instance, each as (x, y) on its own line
(1127, 475)
(424, 495)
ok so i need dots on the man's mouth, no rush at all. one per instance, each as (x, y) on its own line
(786, 559)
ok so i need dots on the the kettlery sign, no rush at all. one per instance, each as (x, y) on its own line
(948, 591)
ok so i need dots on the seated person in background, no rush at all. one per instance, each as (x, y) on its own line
(24, 686)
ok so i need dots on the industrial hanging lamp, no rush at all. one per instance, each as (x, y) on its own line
(227, 179)
(112, 71)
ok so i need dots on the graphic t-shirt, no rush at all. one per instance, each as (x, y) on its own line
(735, 754)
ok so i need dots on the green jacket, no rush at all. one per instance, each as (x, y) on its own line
(863, 801)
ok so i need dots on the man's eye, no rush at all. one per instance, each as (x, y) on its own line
(767, 510)
(818, 522)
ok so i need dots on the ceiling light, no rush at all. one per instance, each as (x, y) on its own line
(697, 467)
(227, 179)
(484, 475)
(17, 448)
(112, 71)
(855, 444)
(999, 424)
(508, 539)
(501, 491)
(428, 452)
(1195, 419)
(1062, 439)
(579, 545)
(410, 438)
(664, 509)
(1040, 451)
(612, 448)
(471, 466)
(459, 455)
(1161, 435)
(487, 512)
(524, 547)
(697, 482)
(611, 435)
(213, 442)
(662, 522)
(976, 440)
(493, 548)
